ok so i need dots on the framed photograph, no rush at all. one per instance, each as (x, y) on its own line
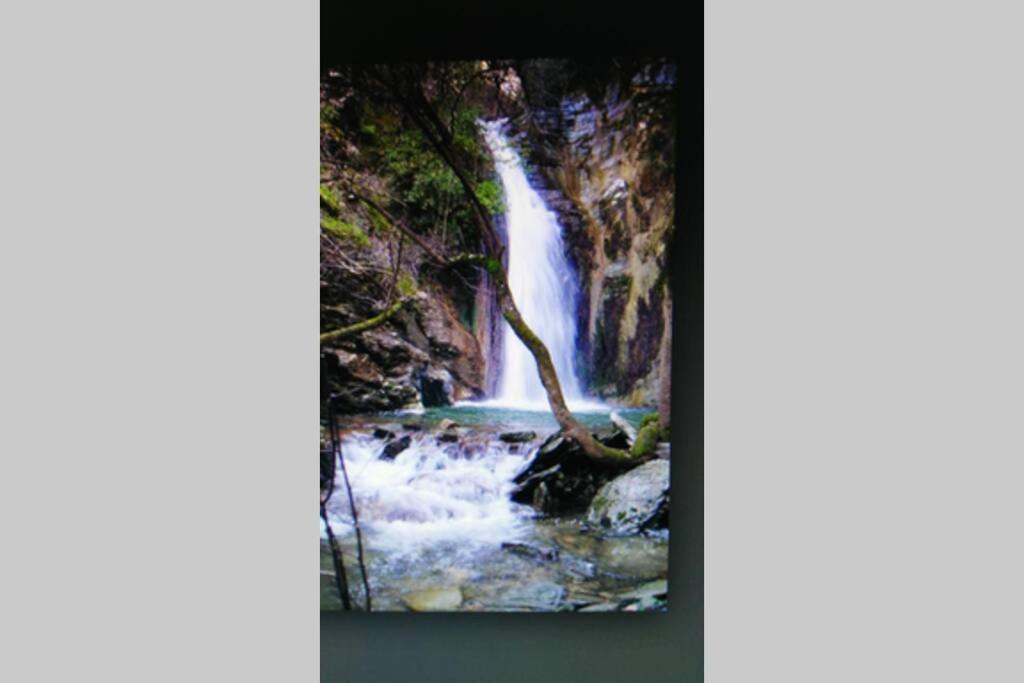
(496, 334)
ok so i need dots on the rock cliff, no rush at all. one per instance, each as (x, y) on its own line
(600, 141)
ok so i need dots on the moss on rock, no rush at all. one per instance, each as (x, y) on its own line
(344, 230)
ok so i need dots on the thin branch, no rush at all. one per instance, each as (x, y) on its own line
(336, 447)
(341, 581)
(340, 578)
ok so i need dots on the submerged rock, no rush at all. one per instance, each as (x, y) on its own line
(530, 551)
(448, 437)
(635, 501)
(395, 447)
(434, 599)
(632, 557)
(649, 597)
(541, 596)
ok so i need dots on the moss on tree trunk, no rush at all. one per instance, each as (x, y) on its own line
(364, 325)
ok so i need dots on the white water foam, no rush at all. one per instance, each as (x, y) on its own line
(430, 493)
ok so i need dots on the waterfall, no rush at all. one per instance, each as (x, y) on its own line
(541, 281)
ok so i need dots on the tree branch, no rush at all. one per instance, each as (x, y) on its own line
(367, 324)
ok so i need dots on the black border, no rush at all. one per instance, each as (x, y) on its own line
(565, 647)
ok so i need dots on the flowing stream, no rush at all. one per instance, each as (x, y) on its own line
(437, 520)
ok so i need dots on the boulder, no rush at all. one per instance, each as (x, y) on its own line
(561, 479)
(447, 425)
(393, 448)
(632, 502)
(517, 437)
(383, 434)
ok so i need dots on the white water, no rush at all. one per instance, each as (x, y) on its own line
(542, 285)
(430, 493)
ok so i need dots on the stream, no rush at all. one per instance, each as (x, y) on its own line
(440, 532)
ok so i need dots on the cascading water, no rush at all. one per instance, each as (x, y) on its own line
(541, 282)
(430, 493)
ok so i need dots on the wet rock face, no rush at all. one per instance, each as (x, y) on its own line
(436, 387)
(423, 356)
(633, 502)
(600, 140)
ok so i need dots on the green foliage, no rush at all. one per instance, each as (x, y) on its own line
(345, 230)
(432, 197)
(489, 194)
(492, 266)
